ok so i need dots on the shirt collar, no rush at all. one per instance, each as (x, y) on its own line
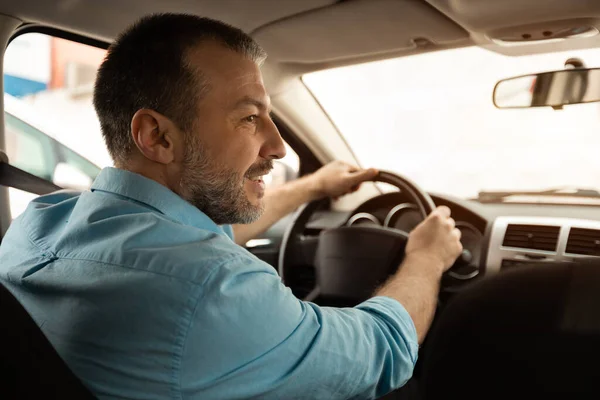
(149, 192)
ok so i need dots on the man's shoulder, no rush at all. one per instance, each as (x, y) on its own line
(140, 238)
(125, 234)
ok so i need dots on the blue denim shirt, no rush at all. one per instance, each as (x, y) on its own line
(145, 297)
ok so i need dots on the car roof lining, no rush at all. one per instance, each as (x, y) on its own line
(294, 30)
(309, 35)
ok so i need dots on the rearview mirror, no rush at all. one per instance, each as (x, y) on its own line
(549, 89)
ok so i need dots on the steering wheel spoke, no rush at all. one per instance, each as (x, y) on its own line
(303, 250)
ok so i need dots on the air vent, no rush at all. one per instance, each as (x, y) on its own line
(534, 237)
(584, 241)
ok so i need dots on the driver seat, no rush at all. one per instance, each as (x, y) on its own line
(30, 367)
(526, 333)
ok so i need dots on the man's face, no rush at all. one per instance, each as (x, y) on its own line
(234, 140)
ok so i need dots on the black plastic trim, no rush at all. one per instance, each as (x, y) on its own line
(37, 28)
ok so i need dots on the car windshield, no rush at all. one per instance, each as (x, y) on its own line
(431, 118)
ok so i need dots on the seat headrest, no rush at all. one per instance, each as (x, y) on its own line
(519, 334)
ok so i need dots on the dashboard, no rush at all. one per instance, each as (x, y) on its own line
(499, 236)
(395, 211)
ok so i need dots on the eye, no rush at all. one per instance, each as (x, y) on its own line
(251, 119)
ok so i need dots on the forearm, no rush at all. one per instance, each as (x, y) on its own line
(279, 202)
(288, 345)
(416, 286)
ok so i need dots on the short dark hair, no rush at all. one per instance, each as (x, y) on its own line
(147, 67)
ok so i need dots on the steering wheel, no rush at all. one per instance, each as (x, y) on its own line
(351, 261)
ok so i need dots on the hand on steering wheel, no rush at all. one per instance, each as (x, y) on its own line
(351, 261)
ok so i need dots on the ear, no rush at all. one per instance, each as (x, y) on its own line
(156, 136)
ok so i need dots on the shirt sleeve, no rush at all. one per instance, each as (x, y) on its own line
(249, 336)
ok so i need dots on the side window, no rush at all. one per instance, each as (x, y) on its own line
(51, 127)
(28, 148)
(79, 162)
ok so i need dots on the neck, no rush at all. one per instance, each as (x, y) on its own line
(156, 172)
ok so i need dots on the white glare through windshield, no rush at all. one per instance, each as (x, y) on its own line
(431, 118)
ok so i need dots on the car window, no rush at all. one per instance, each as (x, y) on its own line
(51, 127)
(79, 163)
(27, 148)
(430, 117)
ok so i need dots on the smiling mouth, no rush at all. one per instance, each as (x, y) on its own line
(257, 176)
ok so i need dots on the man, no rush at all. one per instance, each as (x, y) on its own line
(138, 284)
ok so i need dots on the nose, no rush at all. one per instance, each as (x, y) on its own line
(273, 147)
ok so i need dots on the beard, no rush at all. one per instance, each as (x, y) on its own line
(216, 190)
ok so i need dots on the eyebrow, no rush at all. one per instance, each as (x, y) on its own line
(247, 100)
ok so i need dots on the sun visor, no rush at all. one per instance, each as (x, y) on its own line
(353, 29)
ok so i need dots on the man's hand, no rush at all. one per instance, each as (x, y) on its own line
(436, 239)
(338, 178)
(333, 180)
(432, 248)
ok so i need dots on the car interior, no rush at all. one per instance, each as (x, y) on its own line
(488, 107)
